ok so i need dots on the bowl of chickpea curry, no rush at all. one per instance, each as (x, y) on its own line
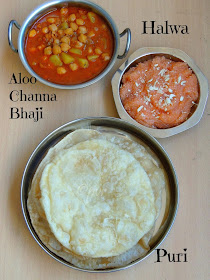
(68, 44)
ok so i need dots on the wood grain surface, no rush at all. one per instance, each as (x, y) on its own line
(20, 256)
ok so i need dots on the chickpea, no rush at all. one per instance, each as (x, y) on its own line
(91, 34)
(74, 26)
(78, 44)
(56, 49)
(79, 21)
(69, 31)
(72, 17)
(90, 50)
(56, 41)
(64, 11)
(48, 50)
(73, 66)
(65, 39)
(53, 27)
(82, 30)
(65, 47)
(41, 47)
(48, 36)
(61, 70)
(45, 30)
(98, 51)
(32, 33)
(61, 32)
(51, 20)
(82, 38)
(105, 56)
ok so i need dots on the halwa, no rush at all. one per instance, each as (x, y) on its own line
(159, 93)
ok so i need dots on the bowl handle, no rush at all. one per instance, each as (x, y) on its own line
(12, 22)
(128, 31)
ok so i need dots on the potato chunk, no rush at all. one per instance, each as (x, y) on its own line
(55, 60)
(64, 25)
(83, 63)
(67, 59)
(98, 51)
(92, 57)
(75, 51)
(91, 17)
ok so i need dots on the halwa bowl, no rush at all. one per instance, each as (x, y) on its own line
(144, 54)
(43, 9)
(112, 126)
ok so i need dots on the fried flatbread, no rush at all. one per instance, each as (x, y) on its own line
(98, 233)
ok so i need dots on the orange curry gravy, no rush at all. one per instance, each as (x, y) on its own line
(159, 93)
(83, 36)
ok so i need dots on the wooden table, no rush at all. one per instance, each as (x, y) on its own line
(20, 256)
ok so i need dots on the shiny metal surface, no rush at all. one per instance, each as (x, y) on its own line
(113, 126)
(49, 6)
(10, 27)
(143, 54)
(127, 47)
